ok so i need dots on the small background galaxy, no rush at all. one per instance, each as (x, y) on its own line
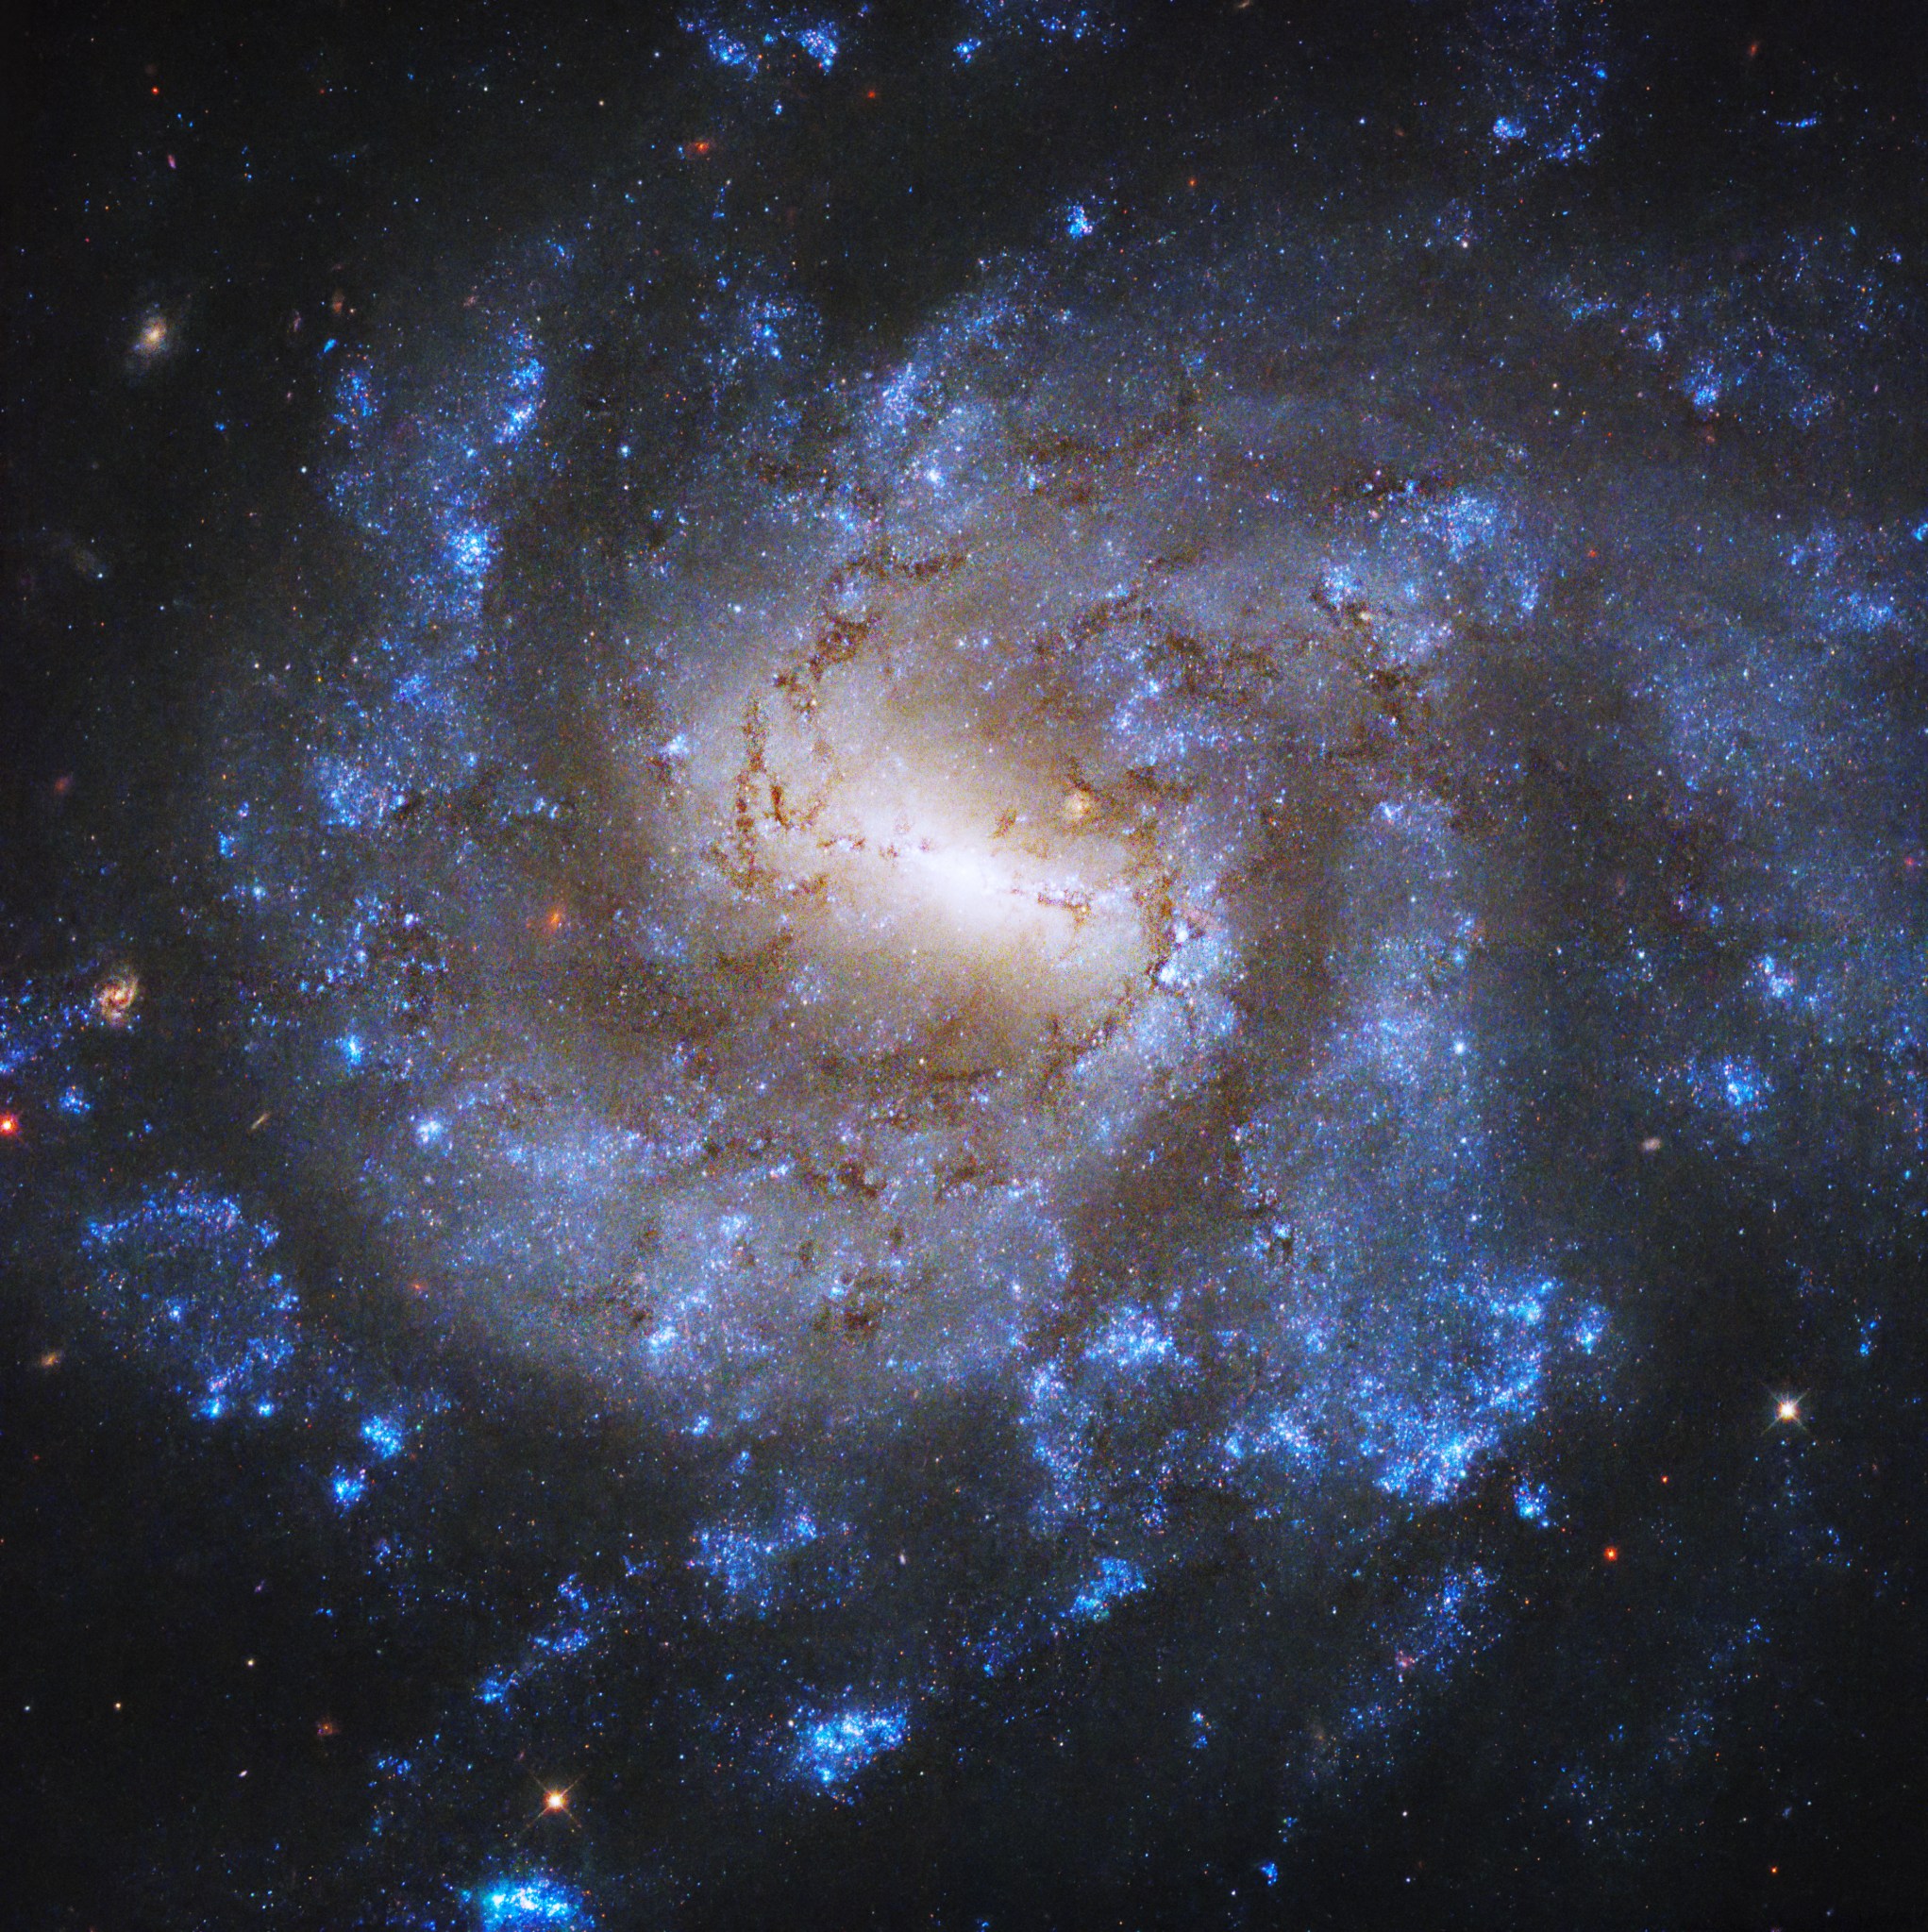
(966, 966)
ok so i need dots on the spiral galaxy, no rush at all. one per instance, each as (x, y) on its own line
(1078, 977)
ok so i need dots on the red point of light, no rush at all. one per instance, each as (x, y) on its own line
(10, 1125)
(1611, 1553)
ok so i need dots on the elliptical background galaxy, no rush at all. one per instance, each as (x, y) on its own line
(969, 967)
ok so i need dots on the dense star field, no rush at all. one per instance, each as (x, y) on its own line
(968, 966)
